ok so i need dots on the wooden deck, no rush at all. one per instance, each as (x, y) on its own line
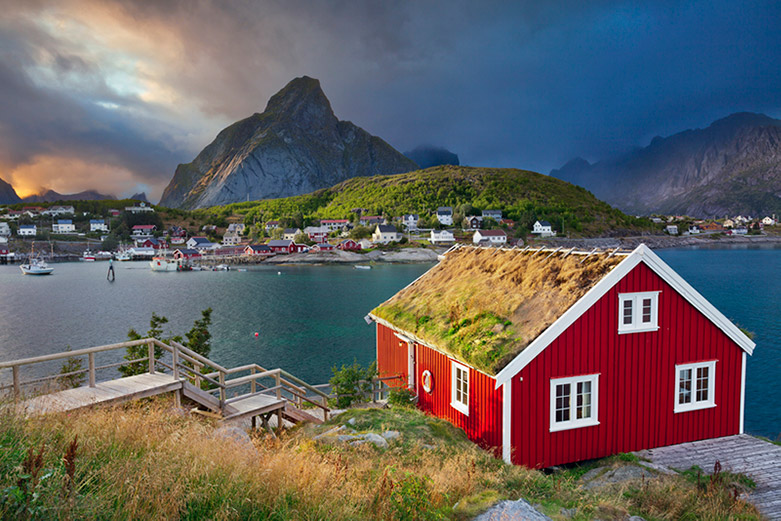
(104, 393)
(758, 459)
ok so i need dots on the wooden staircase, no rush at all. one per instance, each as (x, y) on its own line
(239, 393)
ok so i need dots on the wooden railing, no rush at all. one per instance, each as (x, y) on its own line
(185, 364)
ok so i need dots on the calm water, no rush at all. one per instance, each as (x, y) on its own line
(311, 318)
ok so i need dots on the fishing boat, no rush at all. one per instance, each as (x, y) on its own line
(88, 256)
(362, 267)
(35, 265)
(163, 263)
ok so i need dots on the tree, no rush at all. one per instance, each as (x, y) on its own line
(199, 338)
(71, 365)
(277, 233)
(351, 383)
(110, 244)
(360, 232)
(302, 238)
(156, 324)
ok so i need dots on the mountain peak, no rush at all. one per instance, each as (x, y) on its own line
(301, 99)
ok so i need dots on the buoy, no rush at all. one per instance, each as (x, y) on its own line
(256, 333)
(279, 273)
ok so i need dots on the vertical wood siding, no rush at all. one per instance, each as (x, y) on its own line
(637, 382)
(391, 357)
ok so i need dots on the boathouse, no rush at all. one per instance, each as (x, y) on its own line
(556, 356)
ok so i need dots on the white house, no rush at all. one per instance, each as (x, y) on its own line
(289, 234)
(385, 233)
(334, 224)
(141, 208)
(769, 221)
(143, 231)
(728, 223)
(543, 229)
(492, 237)
(672, 229)
(27, 230)
(5, 230)
(59, 210)
(3, 239)
(98, 225)
(445, 215)
(410, 221)
(496, 215)
(442, 237)
(231, 239)
(694, 229)
(196, 243)
(63, 226)
(237, 228)
(740, 230)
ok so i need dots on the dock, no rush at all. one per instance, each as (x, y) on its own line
(240, 393)
(758, 459)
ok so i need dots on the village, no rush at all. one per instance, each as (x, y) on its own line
(111, 233)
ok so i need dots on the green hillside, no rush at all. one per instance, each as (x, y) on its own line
(522, 196)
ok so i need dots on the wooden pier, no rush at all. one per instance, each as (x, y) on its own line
(756, 458)
(239, 393)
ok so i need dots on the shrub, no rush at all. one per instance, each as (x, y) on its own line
(351, 383)
(401, 397)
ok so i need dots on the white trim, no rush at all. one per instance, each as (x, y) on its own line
(454, 403)
(574, 423)
(637, 326)
(411, 370)
(695, 405)
(507, 441)
(641, 254)
(742, 391)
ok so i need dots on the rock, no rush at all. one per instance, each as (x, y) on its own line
(569, 513)
(619, 475)
(658, 468)
(330, 432)
(235, 435)
(351, 421)
(593, 473)
(378, 440)
(636, 518)
(345, 437)
(391, 435)
(519, 510)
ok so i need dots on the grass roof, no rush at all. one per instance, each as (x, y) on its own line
(484, 306)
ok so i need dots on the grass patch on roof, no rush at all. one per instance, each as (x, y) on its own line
(484, 306)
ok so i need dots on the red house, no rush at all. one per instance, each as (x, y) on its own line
(282, 246)
(187, 253)
(322, 247)
(555, 356)
(349, 245)
(258, 249)
(153, 243)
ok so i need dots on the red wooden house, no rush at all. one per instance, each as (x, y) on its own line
(156, 244)
(322, 247)
(258, 249)
(187, 254)
(551, 357)
(349, 245)
(282, 246)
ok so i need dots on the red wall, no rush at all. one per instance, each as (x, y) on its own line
(483, 425)
(636, 385)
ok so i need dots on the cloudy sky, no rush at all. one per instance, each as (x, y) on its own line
(113, 95)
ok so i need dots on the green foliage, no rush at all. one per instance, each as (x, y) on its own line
(411, 498)
(156, 324)
(199, 337)
(360, 232)
(401, 397)
(111, 243)
(351, 382)
(71, 365)
(277, 233)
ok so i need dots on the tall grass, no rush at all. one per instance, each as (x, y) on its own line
(147, 461)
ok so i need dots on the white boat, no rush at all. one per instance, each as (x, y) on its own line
(222, 267)
(88, 256)
(35, 265)
(360, 267)
(164, 264)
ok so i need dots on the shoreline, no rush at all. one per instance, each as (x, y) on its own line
(660, 242)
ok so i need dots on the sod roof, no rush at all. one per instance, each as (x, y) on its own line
(483, 306)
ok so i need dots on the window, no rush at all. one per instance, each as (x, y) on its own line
(695, 386)
(459, 396)
(574, 402)
(638, 312)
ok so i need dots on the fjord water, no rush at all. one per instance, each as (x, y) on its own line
(310, 318)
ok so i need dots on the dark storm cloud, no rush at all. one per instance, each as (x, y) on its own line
(145, 85)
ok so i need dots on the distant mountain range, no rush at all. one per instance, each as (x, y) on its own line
(295, 146)
(7, 193)
(9, 196)
(731, 167)
(427, 156)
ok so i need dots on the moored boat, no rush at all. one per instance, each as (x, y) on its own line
(35, 265)
(88, 256)
(163, 263)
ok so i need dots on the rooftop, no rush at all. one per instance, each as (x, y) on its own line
(484, 306)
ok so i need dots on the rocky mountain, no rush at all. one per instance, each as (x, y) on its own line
(50, 196)
(731, 167)
(7, 193)
(427, 156)
(295, 146)
(141, 196)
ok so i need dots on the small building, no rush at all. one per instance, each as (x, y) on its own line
(349, 245)
(316, 233)
(113, 212)
(59, 210)
(209, 228)
(237, 228)
(507, 222)
(410, 221)
(98, 225)
(728, 223)
(33, 211)
(143, 231)
(178, 240)
(282, 246)
(385, 233)
(5, 229)
(490, 237)
(258, 250)
(543, 229)
(334, 224)
(290, 233)
(140, 208)
(442, 237)
(371, 220)
(672, 229)
(768, 221)
(13, 215)
(196, 243)
(155, 244)
(270, 225)
(63, 226)
(445, 215)
(231, 239)
(694, 229)
(322, 247)
(496, 215)
(711, 227)
(740, 230)
(229, 251)
(300, 248)
(474, 222)
(186, 254)
(622, 355)
(27, 230)
(656, 220)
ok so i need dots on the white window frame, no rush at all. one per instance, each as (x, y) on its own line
(637, 326)
(573, 422)
(695, 405)
(460, 406)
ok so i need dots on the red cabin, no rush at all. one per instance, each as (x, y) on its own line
(349, 245)
(322, 247)
(187, 254)
(258, 249)
(282, 246)
(551, 357)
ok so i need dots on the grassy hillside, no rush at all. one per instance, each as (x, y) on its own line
(522, 195)
(147, 461)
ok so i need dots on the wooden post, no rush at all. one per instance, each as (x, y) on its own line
(278, 380)
(222, 392)
(325, 411)
(175, 362)
(252, 386)
(17, 385)
(91, 362)
(151, 358)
